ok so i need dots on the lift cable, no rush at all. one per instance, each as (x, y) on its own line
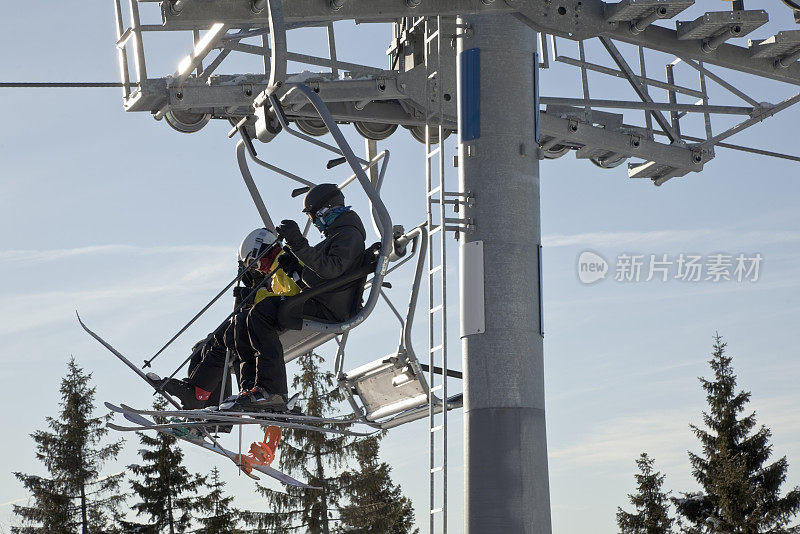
(64, 84)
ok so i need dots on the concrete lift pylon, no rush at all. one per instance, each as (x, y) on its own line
(502, 135)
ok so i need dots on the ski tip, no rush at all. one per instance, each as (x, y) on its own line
(83, 325)
(112, 407)
(292, 402)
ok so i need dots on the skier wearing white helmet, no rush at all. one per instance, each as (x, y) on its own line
(201, 388)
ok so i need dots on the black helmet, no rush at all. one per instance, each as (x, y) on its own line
(322, 196)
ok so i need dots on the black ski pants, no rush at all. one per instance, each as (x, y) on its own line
(258, 344)
(207, 366)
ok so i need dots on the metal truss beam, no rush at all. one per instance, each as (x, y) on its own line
(223, 92)
(234, 12)
(764, 114)
(649, 106)
(572, 19)
(726, 55)
(575, 132)
(640, 89)
(619, 74)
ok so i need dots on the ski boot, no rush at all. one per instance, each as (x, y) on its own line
(191, 397)
(256, 400)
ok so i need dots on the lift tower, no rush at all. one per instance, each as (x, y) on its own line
(505, 450)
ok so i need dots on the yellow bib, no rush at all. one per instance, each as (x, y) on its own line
(280, 285)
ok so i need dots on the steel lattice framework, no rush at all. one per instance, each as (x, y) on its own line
(369, 96)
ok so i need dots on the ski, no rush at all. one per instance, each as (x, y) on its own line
(211, 422)
(213, 441)
(146, 424)
(271, 417)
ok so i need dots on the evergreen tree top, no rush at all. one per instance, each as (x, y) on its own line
(167, 492)
(221, 517)
(651, 503)
(741, 492)
(73, 496)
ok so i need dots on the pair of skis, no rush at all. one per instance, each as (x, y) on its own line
(212, 418)
(244, 462)
(205, 420)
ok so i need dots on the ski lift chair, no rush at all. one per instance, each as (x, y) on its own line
(393, 390)
(297, 342)
(313, 332)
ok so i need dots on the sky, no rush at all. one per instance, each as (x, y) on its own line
(136, 226)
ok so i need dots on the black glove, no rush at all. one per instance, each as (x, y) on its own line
(289, 231)
(241, 293)
(288, 262)
(252, 278)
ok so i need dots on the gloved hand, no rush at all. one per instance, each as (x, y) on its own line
(288, 262)
(251, 277)
(289, 231)
(241, 293)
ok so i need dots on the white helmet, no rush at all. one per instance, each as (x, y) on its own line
(251, 245)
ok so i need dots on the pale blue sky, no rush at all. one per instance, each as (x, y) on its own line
(136, 226)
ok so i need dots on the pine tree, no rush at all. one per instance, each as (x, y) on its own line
(167, 491)
(376, 505)
(75, 498)
(741, 492)
(223, 518)
(652, 505)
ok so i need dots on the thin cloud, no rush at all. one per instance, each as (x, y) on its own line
(619, 239)
(665, 434)
(25, 312)
(38, 256)
(620, 439)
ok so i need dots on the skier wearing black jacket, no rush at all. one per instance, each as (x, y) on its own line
(263, 370)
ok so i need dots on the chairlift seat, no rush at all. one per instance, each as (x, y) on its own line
(387, 387)
(297, 339)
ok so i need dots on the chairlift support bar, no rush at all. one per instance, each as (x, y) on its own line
(241, 158)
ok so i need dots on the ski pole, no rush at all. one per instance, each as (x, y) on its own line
(206, 307)
(234, 312)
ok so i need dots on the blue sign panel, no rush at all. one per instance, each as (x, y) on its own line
(470, 97)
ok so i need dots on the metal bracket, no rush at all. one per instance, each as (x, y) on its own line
(464, 31)
(457, 224)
